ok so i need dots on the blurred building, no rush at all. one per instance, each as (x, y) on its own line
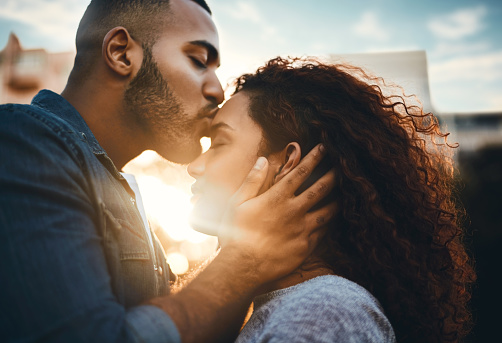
(24, 72)
(474, 131)
(408, 69)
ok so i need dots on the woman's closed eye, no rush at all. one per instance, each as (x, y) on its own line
(216, 145)
(218, 142)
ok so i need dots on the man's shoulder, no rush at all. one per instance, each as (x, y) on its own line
(18, 109)
(31, 116)
(30, 129)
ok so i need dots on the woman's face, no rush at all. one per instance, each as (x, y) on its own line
(219, 172)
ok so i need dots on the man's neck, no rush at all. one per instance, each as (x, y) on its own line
(103, 113)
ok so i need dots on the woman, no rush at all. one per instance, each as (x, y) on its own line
(392, 263)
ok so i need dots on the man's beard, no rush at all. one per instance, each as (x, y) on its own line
(155, 109)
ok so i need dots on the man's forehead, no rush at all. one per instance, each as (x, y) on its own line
(189, 15)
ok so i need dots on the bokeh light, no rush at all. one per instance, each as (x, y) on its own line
(165, 189)
(205, 142)
(178, 263)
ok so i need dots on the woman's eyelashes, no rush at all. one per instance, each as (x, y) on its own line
(217, 142)
(215, 145)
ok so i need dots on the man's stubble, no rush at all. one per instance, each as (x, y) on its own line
(154, 108)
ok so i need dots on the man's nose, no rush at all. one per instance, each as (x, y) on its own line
(213, 90)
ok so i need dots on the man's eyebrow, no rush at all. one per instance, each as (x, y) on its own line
(219, 126)
(213, 52)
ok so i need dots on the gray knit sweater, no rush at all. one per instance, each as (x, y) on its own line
(324, 309)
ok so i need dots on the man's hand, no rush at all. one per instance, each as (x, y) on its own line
(275, 228)
(276, 232)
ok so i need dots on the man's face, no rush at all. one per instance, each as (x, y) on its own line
(175, 94)
(219, 172)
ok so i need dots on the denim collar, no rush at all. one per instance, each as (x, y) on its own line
(61, 108)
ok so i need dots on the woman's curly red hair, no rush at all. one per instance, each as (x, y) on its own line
(397, 233)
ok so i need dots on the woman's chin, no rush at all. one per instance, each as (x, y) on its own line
(207, 214)
(204, 226)
(205, 221)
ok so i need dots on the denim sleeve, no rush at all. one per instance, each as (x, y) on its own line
(54, 282)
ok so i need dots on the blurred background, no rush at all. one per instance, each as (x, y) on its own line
(448, 53)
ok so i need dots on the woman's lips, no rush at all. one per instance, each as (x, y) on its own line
(196, 191)
(195, 198)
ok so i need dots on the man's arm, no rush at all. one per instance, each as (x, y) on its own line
(55, 285)
(275, 234)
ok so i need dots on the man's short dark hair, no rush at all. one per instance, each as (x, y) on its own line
(143, 19)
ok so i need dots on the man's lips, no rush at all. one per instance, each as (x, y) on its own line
(206, 118)
(195, 198)
(212, 113)
(209, 111)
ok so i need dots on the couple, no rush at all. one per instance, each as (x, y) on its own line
(76, 259)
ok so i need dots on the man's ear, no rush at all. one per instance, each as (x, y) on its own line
(290, 156)
(121, 53)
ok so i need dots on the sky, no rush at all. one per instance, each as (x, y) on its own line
(462, 38)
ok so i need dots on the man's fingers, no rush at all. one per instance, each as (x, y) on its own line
(316, 219)
(315, 193)
(290, 183)
(253, 182)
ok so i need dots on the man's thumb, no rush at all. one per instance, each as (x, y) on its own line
(253, 182)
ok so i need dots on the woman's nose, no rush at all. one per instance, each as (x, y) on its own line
(196, 168)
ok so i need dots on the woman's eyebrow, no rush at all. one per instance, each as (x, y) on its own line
(220, 126)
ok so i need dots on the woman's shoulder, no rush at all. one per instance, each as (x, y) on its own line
(335, 288)
(322, 289)
(324, 309)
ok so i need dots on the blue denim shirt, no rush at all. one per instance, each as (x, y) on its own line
(75, 260)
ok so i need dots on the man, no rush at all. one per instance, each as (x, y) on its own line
(76, 263)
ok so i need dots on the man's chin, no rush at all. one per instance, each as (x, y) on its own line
(182, 156)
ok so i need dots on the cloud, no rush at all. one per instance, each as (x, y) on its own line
(370, 27)
(245, 11)
(461, 23)
(248, 11)
(457, 48)
(481, 68)
(56, 19)
(392, 47)
(494, 100)
(320, 47)
(462, 98)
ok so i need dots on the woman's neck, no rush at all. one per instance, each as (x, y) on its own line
(308, 270)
